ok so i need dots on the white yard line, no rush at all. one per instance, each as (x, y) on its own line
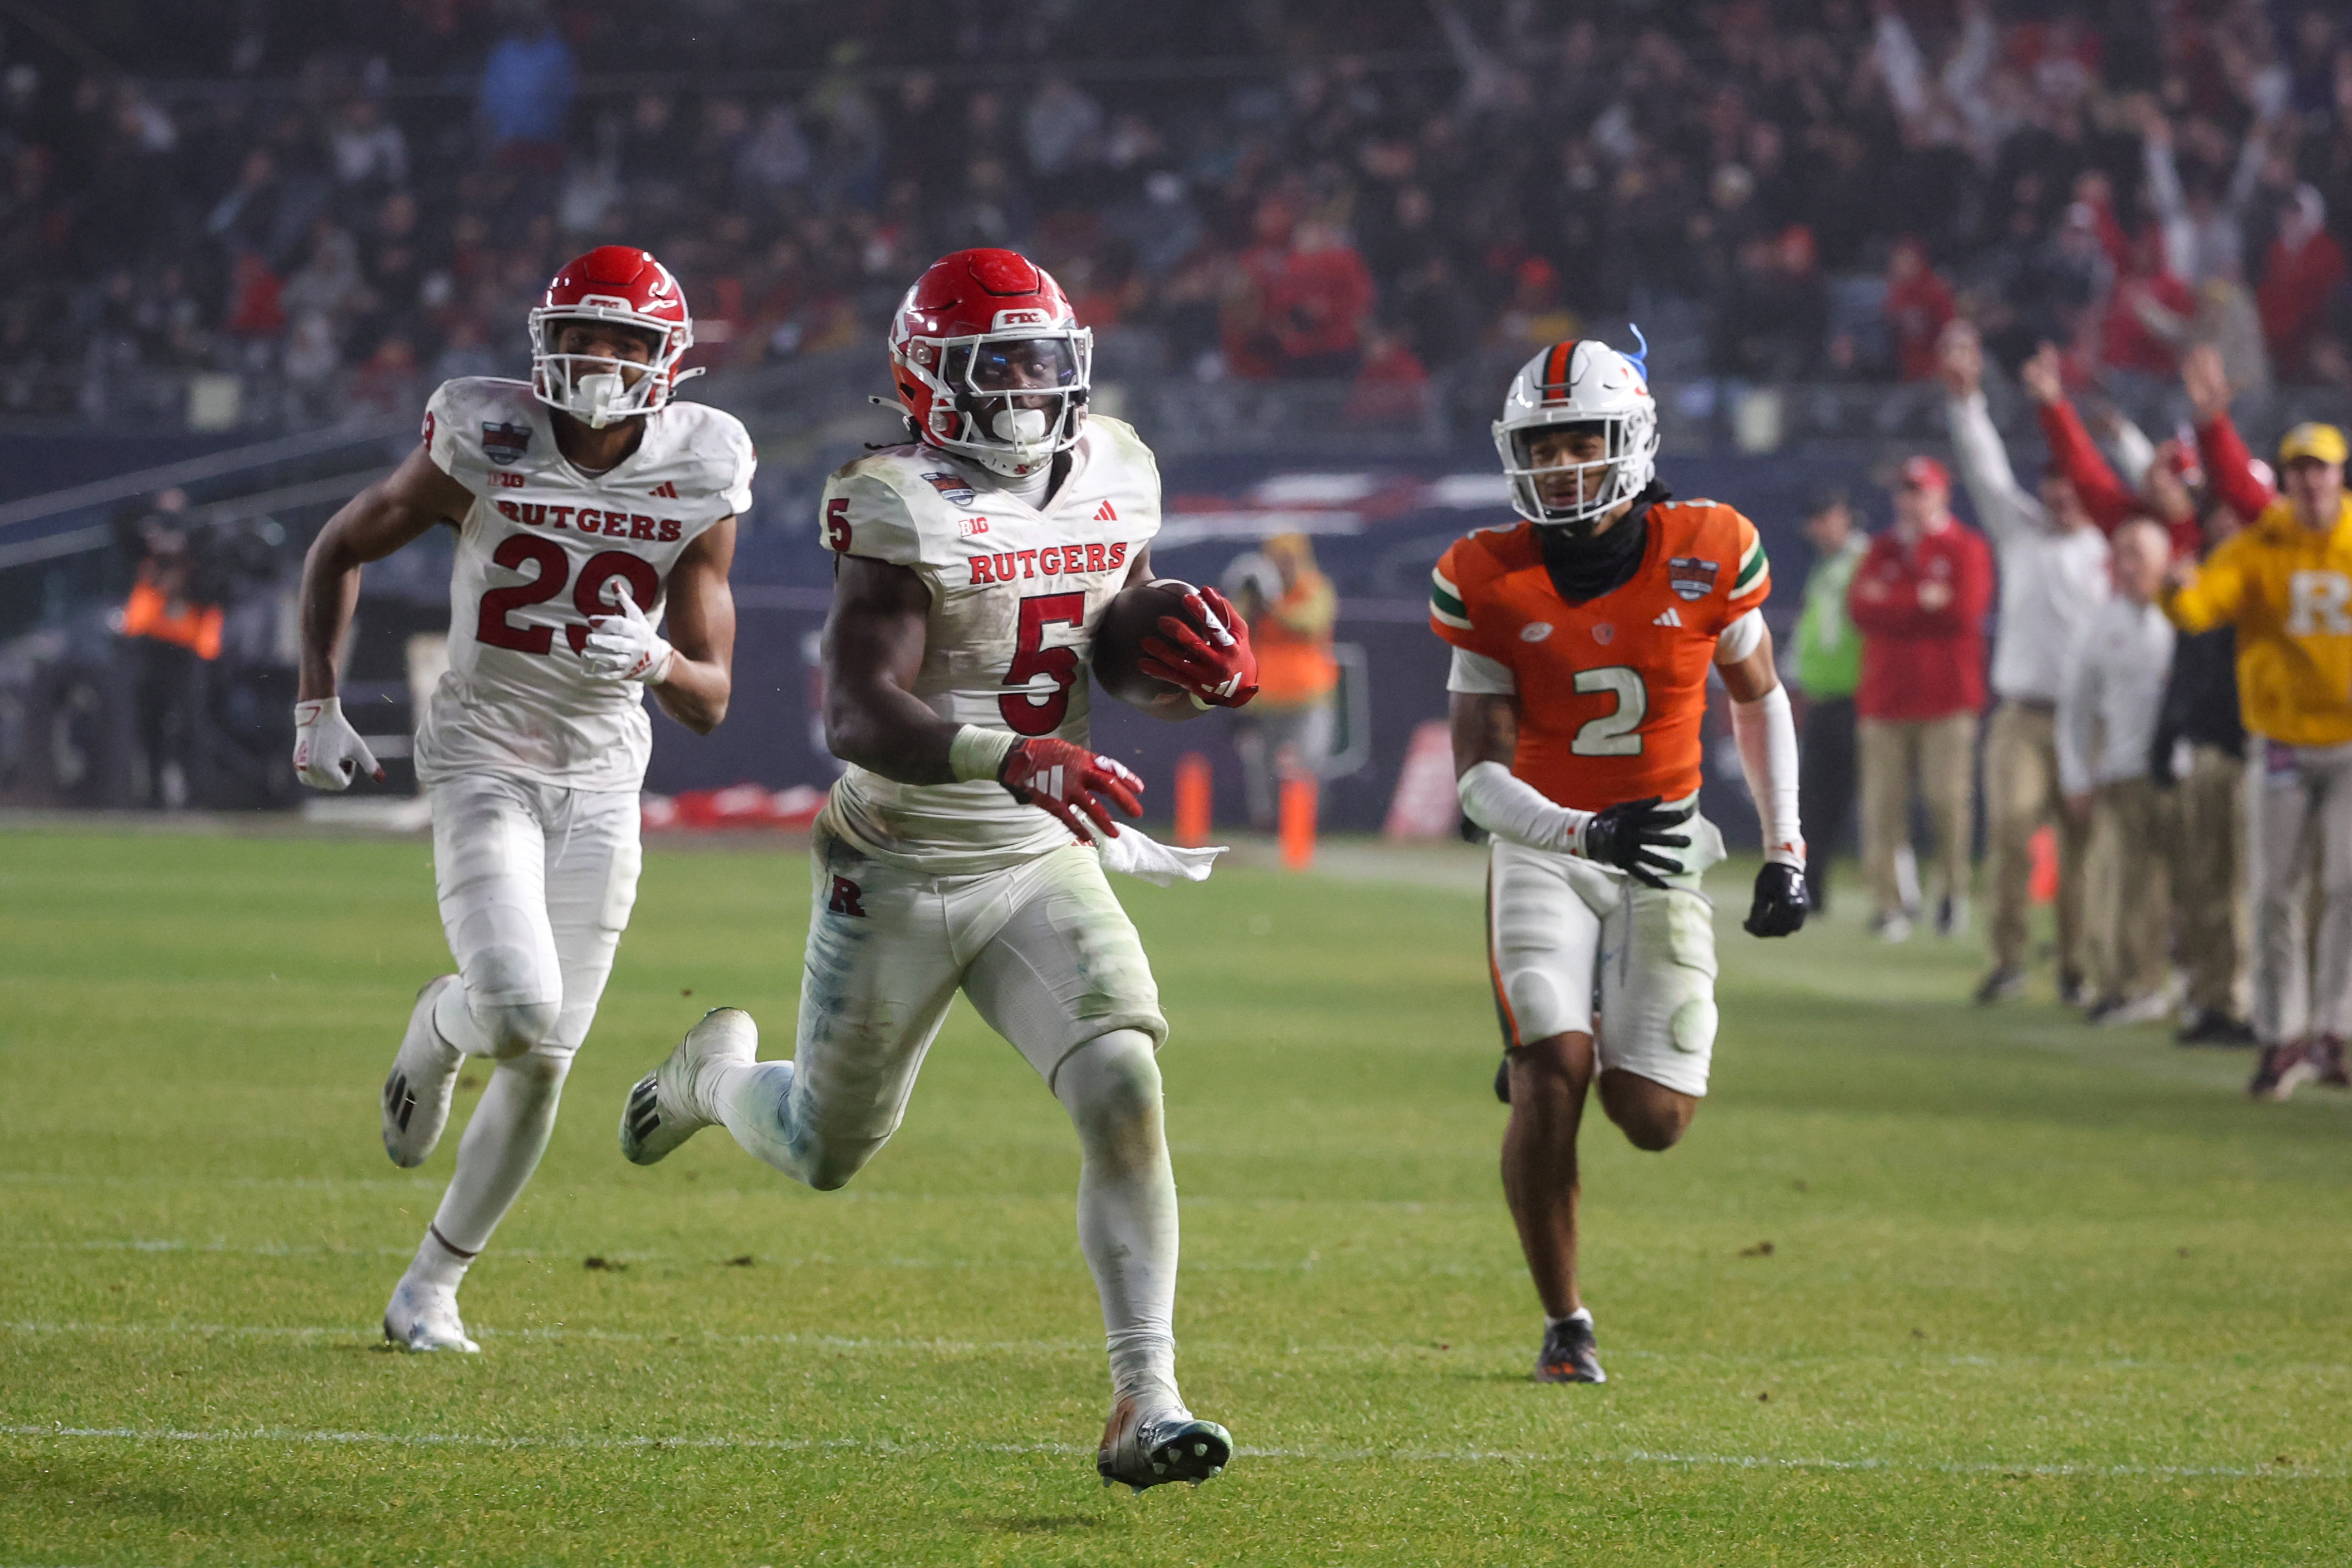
(294, 1436)
(1462, 1350)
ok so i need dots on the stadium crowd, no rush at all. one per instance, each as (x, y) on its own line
(343, 203)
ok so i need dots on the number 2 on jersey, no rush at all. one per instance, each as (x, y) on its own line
(492, 628)
(1613, 734)
(1031, 711)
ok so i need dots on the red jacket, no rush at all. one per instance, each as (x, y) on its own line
(2109, 500)
(1921, 660)
(2229, 471)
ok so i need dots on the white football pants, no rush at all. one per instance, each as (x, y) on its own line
(2299, 825)
(536, 884)
(1050, 959)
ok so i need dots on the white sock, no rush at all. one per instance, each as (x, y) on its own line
(1582, 1315)
(438, 1262)
(501, 1148)
(1127, 1209)
(753, 1101)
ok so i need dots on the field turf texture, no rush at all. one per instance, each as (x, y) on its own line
(1925, 1284)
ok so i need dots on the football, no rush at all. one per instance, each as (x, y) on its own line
(1130, 616)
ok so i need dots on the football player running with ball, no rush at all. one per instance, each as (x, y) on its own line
(586, 502)
(963, 848)
(1583, 637)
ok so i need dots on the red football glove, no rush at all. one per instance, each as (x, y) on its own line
(1065, 781)
(1219, 669)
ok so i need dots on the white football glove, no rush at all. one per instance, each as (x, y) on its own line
(625, 646)
(328, 753)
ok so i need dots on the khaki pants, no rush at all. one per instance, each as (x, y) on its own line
(1937, 755)
(2020, 794)
(2128, 940)
(2209, 880)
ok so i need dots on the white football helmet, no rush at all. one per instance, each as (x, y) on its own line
(1581, 382)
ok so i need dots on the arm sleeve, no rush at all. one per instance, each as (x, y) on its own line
(2002, 506)
(2229, 470)
(862, 514)
(1513, 808)
(1475, 675)
(1767, 736)
(2105, 496)
(1740, 638)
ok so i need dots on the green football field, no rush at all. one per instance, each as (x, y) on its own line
(1925, 1284)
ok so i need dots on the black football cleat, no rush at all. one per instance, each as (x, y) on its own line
(1569, 1354)
(2282, 1069)
(1153, 1450)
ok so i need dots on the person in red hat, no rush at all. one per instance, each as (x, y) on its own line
(594, 516)
(1919, 599)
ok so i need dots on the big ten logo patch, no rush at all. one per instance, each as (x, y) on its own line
(506, 480)
(847, 898)
(968, 526)
(2319, 604)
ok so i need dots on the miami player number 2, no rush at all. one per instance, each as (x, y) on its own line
(1613, 734)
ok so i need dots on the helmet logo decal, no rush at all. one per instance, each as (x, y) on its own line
(1009, 320)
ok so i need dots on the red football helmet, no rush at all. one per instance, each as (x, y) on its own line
(621, 284)
(990, 361)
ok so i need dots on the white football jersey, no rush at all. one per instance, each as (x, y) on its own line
(1015, 596)
(544, 547)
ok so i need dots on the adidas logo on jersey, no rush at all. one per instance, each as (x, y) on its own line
(667, 487)
(1668, 619)
(1106, 513)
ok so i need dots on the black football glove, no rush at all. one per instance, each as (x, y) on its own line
(1628, 836)
(1779, 906)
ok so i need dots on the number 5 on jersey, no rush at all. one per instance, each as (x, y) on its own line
(1034, 710)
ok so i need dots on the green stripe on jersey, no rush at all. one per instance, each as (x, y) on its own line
(1751, 566)
(1445, 602)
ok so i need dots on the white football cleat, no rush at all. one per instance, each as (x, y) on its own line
(422, 1317)
(423, 1083)
(1170, 1445)
(662, 1110)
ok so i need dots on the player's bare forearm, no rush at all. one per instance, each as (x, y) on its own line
(1486, 728)
(1174, 707)
(701, 628)
(373, 523)
(872, 652)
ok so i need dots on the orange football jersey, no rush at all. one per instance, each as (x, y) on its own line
(1612, 691)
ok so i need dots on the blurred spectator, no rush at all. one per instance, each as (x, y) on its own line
(2147, 315)
(1918, 307)
(1317, 303)
(168, 639)
(1828, 669)
(2284, 584)
(1392, 387)
(526, 93)
(1920, 598)
(1291, 609)
(2053, 575)
(2107, 723)
(2166, 476)
(2197, 753)
(2302, 274)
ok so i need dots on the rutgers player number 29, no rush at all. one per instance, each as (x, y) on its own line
(518, 551)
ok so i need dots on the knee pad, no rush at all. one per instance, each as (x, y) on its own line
(1111, 1082)
(516, 1029)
